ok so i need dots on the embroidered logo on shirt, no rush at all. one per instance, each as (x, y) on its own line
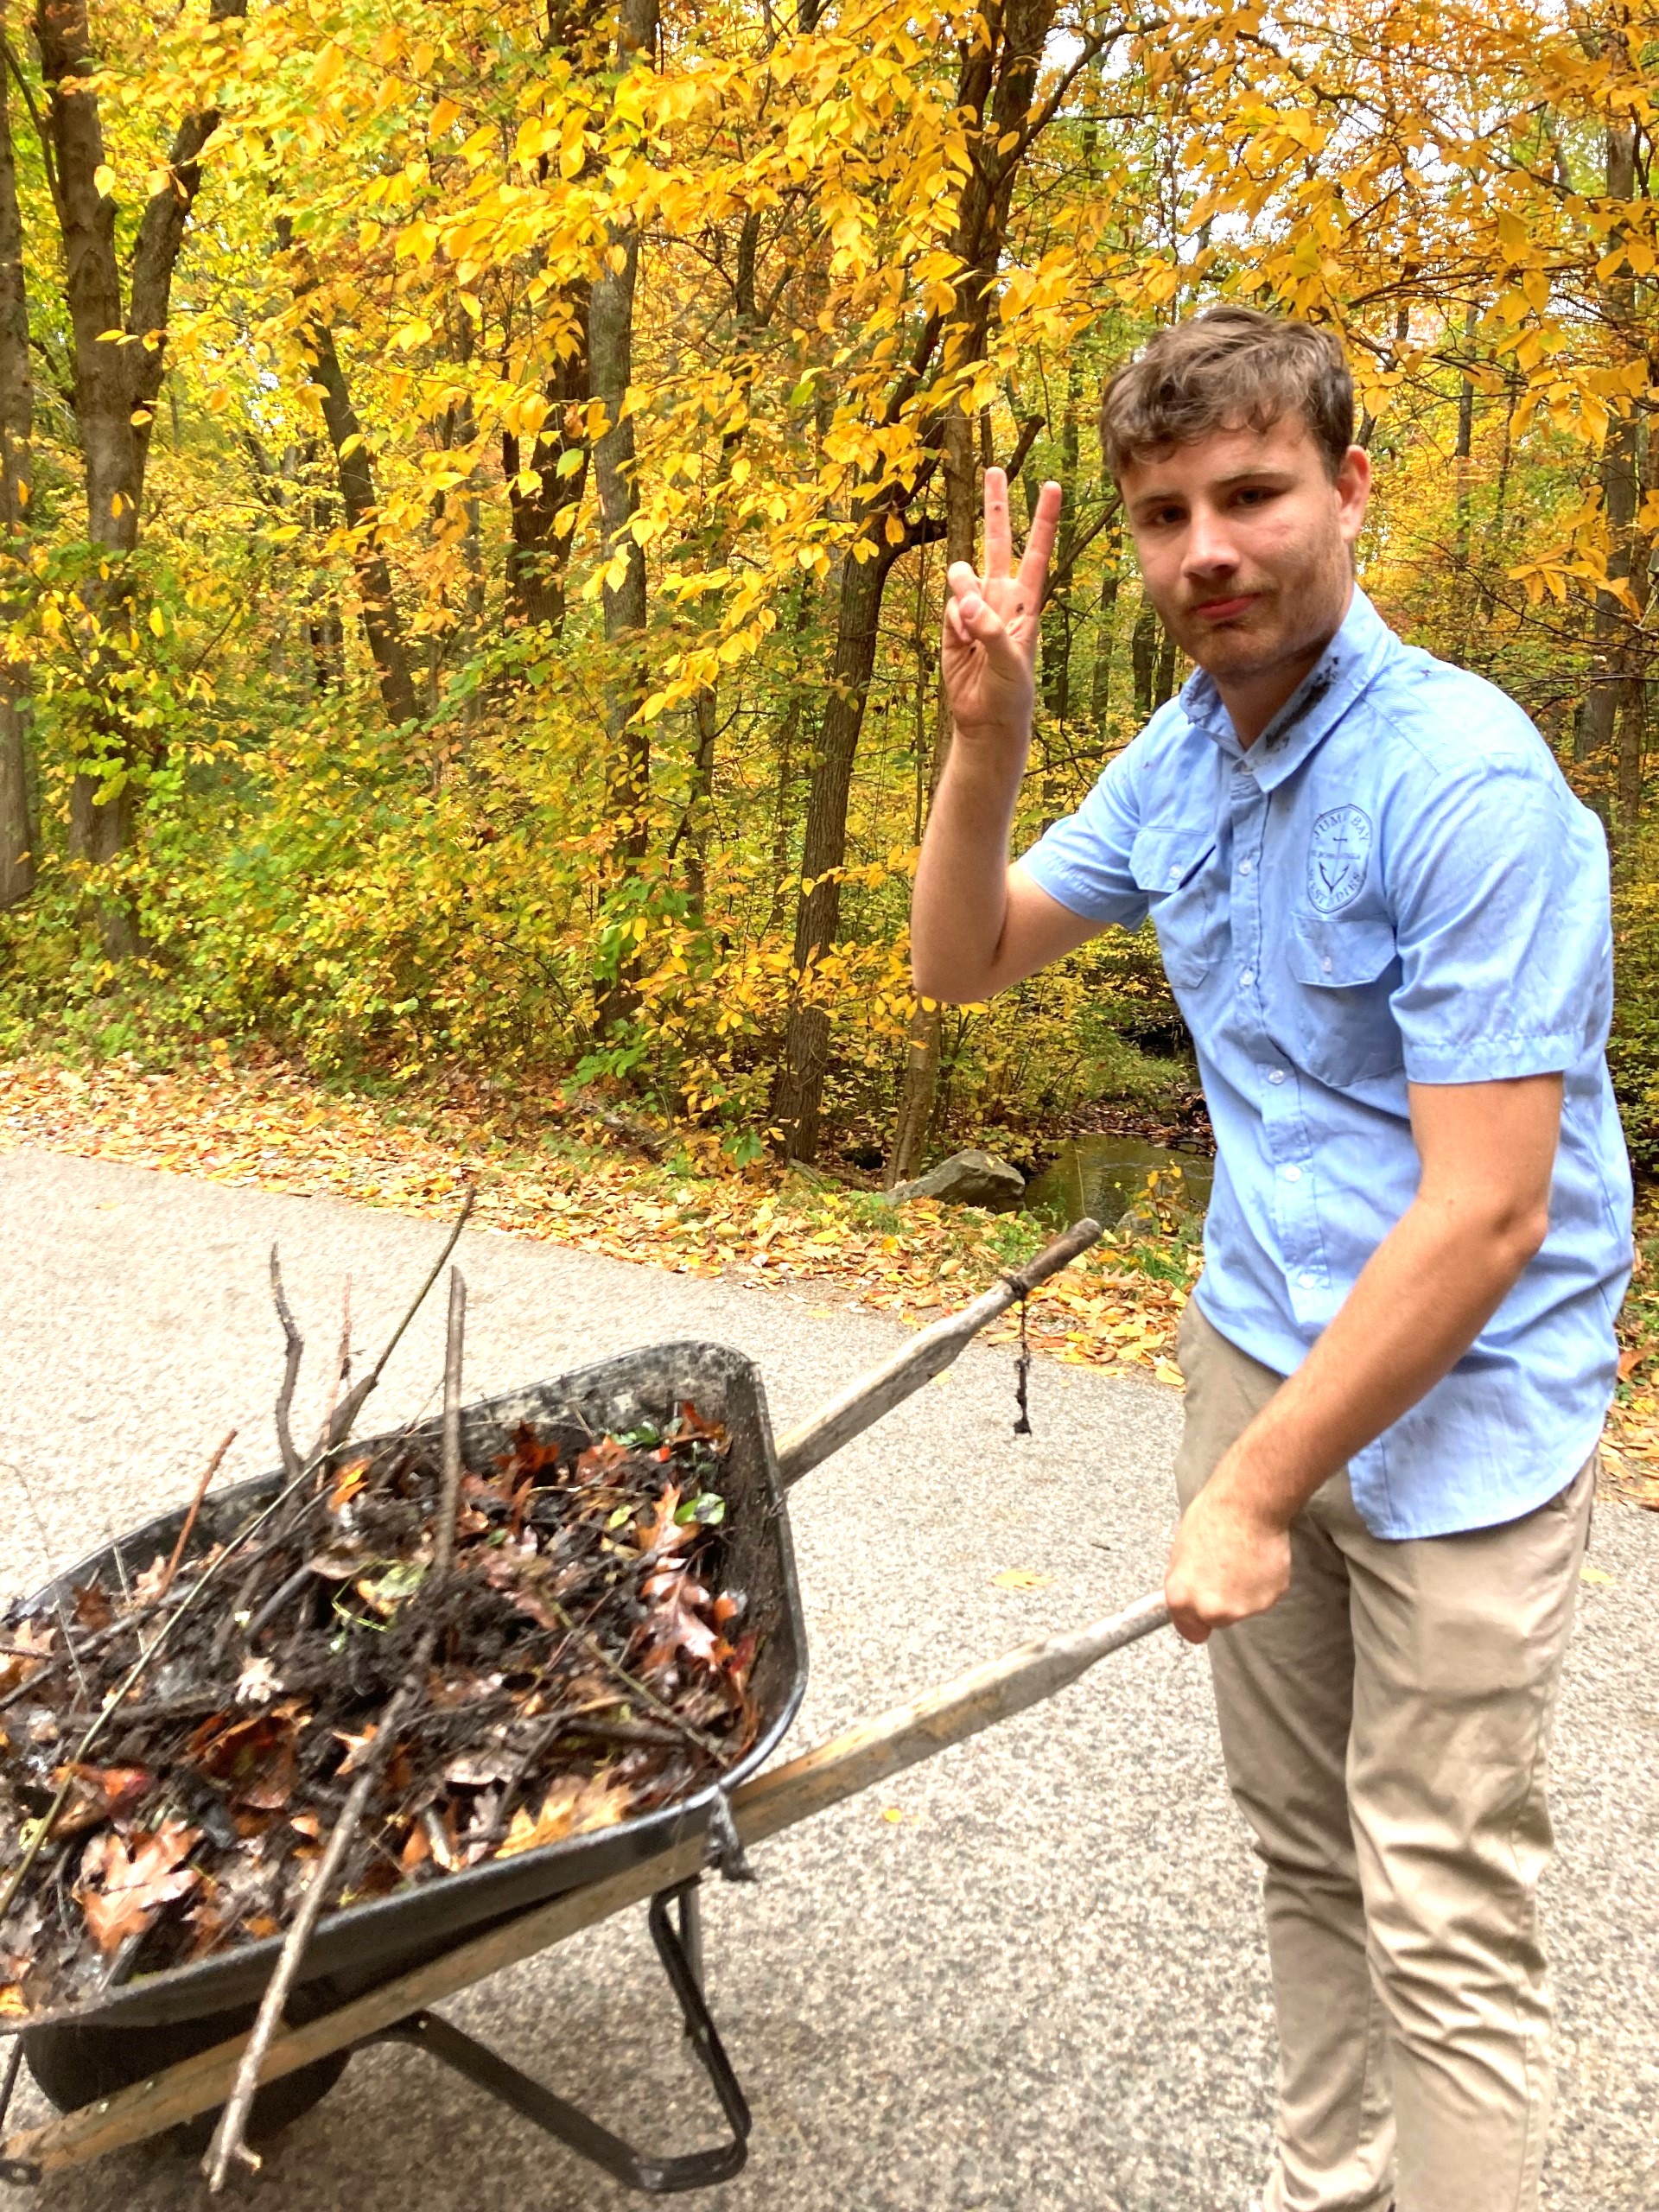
(1337, 855)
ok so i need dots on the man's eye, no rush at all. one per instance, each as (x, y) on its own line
(1254, 494)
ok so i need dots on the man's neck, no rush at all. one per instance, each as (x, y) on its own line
(1253, 700)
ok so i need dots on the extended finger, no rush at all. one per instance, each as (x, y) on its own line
(1039, 547)
(998, 545)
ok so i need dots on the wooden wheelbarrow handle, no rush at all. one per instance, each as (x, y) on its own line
(866, 1753)
(861, 1404)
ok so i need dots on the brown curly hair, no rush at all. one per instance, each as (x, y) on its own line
(1227, 368)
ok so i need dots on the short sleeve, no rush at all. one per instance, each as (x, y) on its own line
(1084, 861)
(1498, 882)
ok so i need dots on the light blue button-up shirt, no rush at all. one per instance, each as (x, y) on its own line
(1393, 884)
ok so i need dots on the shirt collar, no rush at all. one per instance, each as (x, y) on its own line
(1313, 710)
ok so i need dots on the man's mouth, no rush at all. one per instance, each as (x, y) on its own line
(1225, 610)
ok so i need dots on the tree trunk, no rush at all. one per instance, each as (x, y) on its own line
(699, 800)
(1057, 615)
(919, 1087)
(627, 770)
(1100, 696)
(116, 389)
(1163, 683)
(543, 518)
(797, 1096)
(996, 89)
(383, 624)
(1613, 648)
(16, 448)
(1143, 656)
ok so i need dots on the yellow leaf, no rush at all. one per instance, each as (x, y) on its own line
(158, 621)
(444, 114)
(1020, 1577)
(104, 180)
(1593, 1575)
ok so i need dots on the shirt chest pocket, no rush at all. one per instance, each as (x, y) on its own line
(1345, 968)
(1173, 867)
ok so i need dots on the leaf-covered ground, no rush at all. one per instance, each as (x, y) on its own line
(545, 1171)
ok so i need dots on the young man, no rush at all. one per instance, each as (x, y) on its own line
(1386, 920)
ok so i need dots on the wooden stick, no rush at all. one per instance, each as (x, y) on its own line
(227, 2142)
(351, 1404)
(861, 1404)
(294, 1353)
(764, 1806)
(342, 1369)
(211, 1469)
(443, 1557)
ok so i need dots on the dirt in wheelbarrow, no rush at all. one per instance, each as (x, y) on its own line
(590, 1665)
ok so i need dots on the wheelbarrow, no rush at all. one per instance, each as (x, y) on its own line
(156, 2056)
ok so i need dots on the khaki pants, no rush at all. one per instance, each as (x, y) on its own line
(1386, 1728)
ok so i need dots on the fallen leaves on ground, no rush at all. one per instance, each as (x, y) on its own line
(273, 1126)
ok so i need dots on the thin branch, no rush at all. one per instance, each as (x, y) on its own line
(351, 1405)
(295, 1352)
(47, 159)
(227, 2142)
(209, 1472)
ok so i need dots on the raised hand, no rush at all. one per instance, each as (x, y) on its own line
(988, 654)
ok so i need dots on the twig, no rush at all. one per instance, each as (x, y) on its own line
(595, 1650)
(351, 1405)
(342, 1365)
(69, 1645)
(227, 2142)
(444, 1548)
(120, 1565)
(296, 1352)
(211, 1469)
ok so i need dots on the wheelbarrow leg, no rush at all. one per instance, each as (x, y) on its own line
(680, 1950)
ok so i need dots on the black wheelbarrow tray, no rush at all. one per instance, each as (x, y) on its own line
(161, 2053)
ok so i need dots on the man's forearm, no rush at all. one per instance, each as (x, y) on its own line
(1418, 1305)
(961, 898)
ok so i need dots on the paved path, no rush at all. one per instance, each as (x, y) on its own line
(1040, 1989)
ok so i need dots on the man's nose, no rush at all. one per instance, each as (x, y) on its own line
(1210, 543)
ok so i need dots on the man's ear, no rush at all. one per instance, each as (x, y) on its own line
(1353, 488)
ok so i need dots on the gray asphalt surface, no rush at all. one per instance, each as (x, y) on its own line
(1043, 1989)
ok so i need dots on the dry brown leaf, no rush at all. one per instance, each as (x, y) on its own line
(121, 1890)
(571, 1808)
(98, 1793)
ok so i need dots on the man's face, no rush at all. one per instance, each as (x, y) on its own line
(1246, 545)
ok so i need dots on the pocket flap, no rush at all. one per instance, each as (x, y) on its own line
(1338, 950)
(1163, 859)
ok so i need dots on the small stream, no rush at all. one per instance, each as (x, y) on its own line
(1104, 1176)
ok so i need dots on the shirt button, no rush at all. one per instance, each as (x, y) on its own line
(1326, 963)
(1307, 1279)
(1292, 1173)
(1248, 976)
(1275, 1075)
(1174, 873)
(1244, 867)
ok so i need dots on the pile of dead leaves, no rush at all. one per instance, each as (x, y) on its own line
(590, 1666)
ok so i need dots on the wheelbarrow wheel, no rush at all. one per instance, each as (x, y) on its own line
(75, 2066)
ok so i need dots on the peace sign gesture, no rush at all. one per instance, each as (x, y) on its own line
(991, 625)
